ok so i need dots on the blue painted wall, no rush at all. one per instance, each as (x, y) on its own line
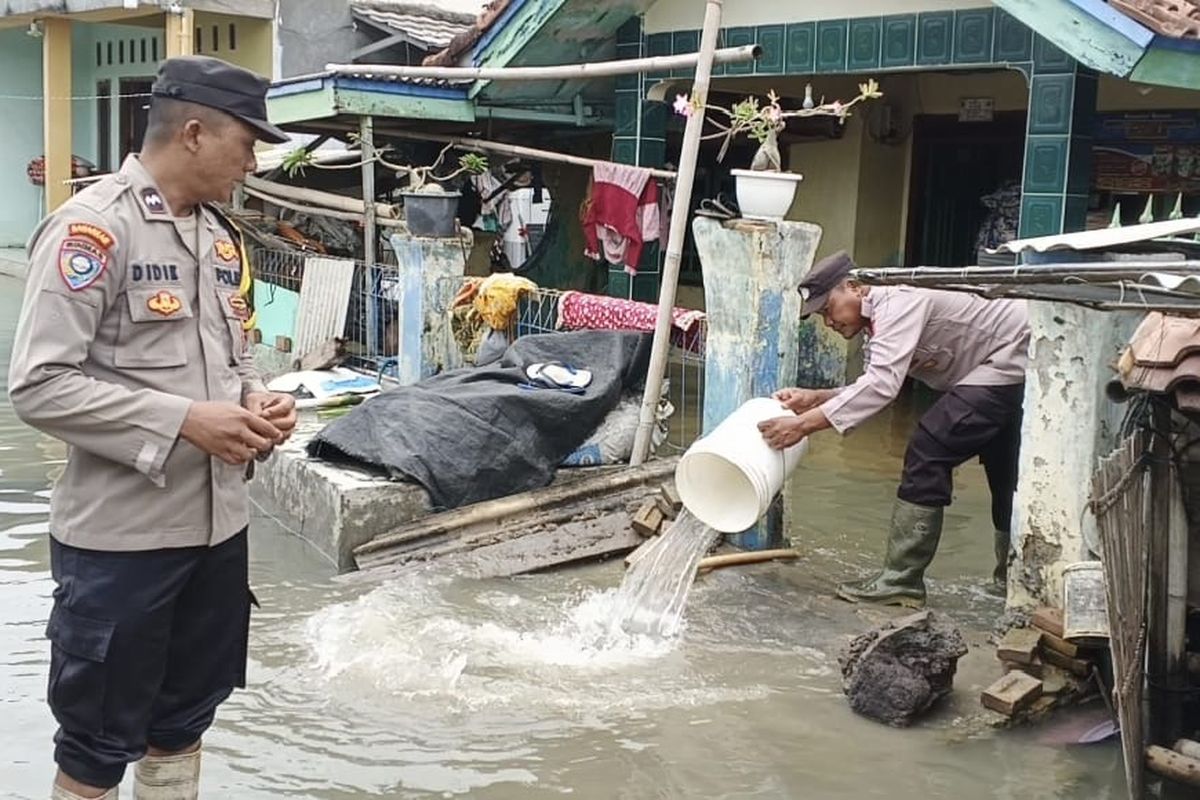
(20, 79)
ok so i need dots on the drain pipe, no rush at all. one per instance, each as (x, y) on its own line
(679, 218)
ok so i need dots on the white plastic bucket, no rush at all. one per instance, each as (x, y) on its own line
(729, 478)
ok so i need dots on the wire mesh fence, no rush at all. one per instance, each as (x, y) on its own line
(372, 333)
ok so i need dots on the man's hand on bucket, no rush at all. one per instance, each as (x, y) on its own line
(783, 432)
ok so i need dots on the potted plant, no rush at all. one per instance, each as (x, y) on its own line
(765, 191)
(429, 210)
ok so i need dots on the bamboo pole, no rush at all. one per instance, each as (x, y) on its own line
(366, 137)
(1027, 273)
(318, 198)
(1160, 717)
(600, 69)
(679, 217)
(483, 145)
(749, 557)
(348, 216)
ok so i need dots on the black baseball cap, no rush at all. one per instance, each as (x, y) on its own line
(825, 276)
(218, 84)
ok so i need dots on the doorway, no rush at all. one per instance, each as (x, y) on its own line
(134, 113)
(955, 164)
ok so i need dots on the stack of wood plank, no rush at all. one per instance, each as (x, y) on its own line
(1036, 660)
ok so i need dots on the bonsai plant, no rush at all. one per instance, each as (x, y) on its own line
(765, 191)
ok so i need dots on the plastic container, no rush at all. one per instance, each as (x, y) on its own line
(1085, 604)
(431, 214)
(765, 195)
(729, 478)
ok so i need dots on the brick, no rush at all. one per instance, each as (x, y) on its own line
(648, 519)
(671, 495)
(664, 506)
(1012, 693)
(1049, 620)
(1059, 645)
(1019, 645)
(1076, 666)
(1036, 668)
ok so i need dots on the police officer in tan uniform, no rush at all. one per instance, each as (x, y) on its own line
(973, 350)
(131, 349)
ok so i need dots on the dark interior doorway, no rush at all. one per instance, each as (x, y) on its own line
(955, 164)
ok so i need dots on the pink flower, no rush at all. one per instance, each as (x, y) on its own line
(836, 107)
(683, 105)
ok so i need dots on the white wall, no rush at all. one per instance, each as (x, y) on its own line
(676, 15)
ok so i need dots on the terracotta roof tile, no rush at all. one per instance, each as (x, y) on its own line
(1179, 19)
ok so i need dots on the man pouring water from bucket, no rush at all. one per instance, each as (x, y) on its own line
(974, 351)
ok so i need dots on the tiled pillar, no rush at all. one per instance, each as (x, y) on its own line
(639, 138)
(1058, 143)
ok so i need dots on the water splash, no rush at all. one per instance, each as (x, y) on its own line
(654, 593)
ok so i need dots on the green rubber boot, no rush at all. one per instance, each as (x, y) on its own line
(912, 542)
(1002, 541)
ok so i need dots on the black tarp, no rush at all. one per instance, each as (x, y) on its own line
(474, 434)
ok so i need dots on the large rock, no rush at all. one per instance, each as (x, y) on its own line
(895, 673)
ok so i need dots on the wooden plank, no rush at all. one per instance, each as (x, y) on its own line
(1098, 37)
(671, 495)
(1052, 642)
(749, 557)
(1012, 693)
(1049, 620)
(1035, 668)
(1175, 766)
(1019, 645)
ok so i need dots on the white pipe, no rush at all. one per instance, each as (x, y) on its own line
(679, 218)
(600, 69)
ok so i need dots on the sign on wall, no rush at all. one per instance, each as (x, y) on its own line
(1148, 152)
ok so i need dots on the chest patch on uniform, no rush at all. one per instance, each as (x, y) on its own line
(81, 262)
(226, 250)
(239, 305)
(153, 201)
(140, 271)
(164, 304)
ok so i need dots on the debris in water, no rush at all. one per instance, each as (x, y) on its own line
(895, 673)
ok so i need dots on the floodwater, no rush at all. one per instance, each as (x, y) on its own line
(443, 686)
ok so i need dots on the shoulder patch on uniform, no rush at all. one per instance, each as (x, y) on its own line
(94, 233)
(81, 262)
(226, 250)
(164, 303)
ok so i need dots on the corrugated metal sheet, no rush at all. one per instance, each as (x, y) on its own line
(324, 302)
(431, 27)
(1104, 238)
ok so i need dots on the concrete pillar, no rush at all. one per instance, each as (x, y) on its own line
(180, 32)
(431, 273)
(1058, 143)
(56, 127)
(1069, 424)
(751, 270)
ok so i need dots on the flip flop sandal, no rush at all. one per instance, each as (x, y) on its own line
(542, 386)
(557, 375)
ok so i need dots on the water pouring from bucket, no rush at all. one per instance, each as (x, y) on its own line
(729, 478)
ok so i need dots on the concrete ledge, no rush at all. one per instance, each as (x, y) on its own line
(13, 263)
(334, 508)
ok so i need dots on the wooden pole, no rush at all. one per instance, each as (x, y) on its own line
(483, 145)
(1161, 475)
(366, 134)
(679, 218)
(601, 69)
(749, 557)
(319, 198)
(321, 211)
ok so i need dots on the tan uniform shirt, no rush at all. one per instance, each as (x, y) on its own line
(943, 339)
(130, 315)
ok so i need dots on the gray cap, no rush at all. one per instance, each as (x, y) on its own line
(825, 276)
(218, 84)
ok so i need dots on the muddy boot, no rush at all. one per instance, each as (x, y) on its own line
(1002, 541)
(59, 793)
(912, 542)
(175, 777)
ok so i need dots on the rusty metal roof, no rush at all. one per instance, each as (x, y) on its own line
(428, 26)
(1179, 19)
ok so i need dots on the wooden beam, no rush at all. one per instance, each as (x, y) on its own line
(1175, 766)
(56, 109)
(319, 198)
(179, 33)
(1091, 31)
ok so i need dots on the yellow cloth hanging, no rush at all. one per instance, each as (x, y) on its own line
(498, 298)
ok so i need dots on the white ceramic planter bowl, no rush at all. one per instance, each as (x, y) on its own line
(765, 195)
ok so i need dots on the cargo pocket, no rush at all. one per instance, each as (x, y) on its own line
(78, 675)
(149, 334)
(236, 311)
(239, 676)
